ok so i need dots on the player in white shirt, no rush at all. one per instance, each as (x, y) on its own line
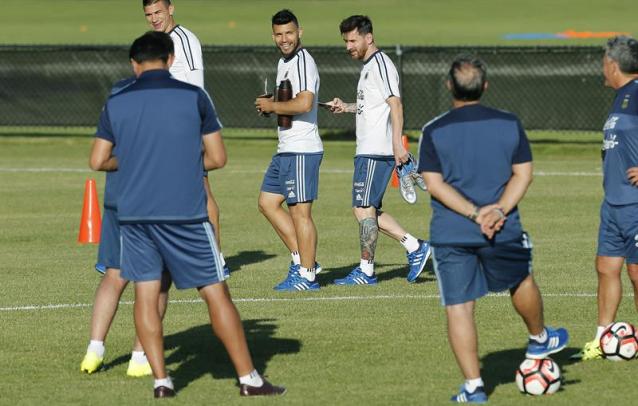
(187, 67)
(379, 115)
(293, 174)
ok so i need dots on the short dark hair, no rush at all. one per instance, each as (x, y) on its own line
(152, 46)
(467, 75)
(362, 24)
(624, 51)
(151, 2)
(283, 17)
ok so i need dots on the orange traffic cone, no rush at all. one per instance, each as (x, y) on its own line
(91, 221)
(395, 177)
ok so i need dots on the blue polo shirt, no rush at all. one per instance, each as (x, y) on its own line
(156, 125)
(110, 185)
(473, 148)
(620, 146)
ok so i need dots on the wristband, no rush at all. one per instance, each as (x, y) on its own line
(474, 215)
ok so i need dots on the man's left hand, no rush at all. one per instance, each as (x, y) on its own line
(632, 175)
(264, 105)
(401, 155)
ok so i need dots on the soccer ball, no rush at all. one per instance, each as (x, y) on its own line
(619, 342)
(538, 376)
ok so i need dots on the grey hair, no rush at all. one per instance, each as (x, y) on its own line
(624, 51)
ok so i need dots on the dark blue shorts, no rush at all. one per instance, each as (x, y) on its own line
(618, 232)
(294, 176)
(468, 273)
(370, 180)
(189, 251)
(108, 254)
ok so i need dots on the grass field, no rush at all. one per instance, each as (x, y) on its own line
(246, 22)
(368, 345)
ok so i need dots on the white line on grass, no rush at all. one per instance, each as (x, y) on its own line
(278, 299)
(254, 171)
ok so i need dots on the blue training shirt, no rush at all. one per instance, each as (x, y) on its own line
(474, 148)
(156, 124)
(620, 146)
(110, 185)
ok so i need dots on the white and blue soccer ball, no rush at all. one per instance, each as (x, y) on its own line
(538, 377)
(619, 342)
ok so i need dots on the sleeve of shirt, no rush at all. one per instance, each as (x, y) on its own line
(388, 76)
(196, 74)
(104, 129)
(210, 121)
(428, 158)
(307, 72)
(523, 153)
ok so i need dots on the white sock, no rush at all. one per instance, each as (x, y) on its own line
(96, 347)
(168, 382)
(540, 338)
(410, 243)
(139, 357)
(308, 273)
(296, 258)
(221, 258)
(367, 267)
(252, 379)
(472, 384)
(599, 332)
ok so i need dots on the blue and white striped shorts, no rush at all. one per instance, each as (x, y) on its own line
(370, 180)
(294, 176)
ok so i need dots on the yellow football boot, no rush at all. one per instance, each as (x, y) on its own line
(91, 363)
(136, 370)
(591, 350)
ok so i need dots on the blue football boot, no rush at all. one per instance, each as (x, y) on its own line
(357, 277)
(557, 340)
(417, 260)
(478, 396)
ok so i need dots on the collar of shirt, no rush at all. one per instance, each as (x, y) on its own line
(154, 74)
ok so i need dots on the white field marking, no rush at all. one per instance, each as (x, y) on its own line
(281, 299)
(252, 171)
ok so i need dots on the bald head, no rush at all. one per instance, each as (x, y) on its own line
(467, 77)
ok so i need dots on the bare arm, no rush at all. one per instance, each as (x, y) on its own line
(338, 106)
(214, 151)
(517, 186)
(301, 103)
(101, 158)
(489, 217)
(396, 115)
(447, 195)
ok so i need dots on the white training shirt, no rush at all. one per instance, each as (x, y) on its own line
(188, 65)
(303, 136)
(379, 81)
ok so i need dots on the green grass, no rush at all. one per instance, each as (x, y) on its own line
(246, 22)
(371, 345)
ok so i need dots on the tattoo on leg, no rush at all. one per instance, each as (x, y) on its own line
(368, 235)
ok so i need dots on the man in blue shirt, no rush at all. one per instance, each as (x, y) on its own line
(160, 127)
(618, 232)
(477, 164)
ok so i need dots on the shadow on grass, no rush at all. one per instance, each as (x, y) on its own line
(242, 258)
(197, 352)
(499, 367)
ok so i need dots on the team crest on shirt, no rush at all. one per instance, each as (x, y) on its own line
(625, 102)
